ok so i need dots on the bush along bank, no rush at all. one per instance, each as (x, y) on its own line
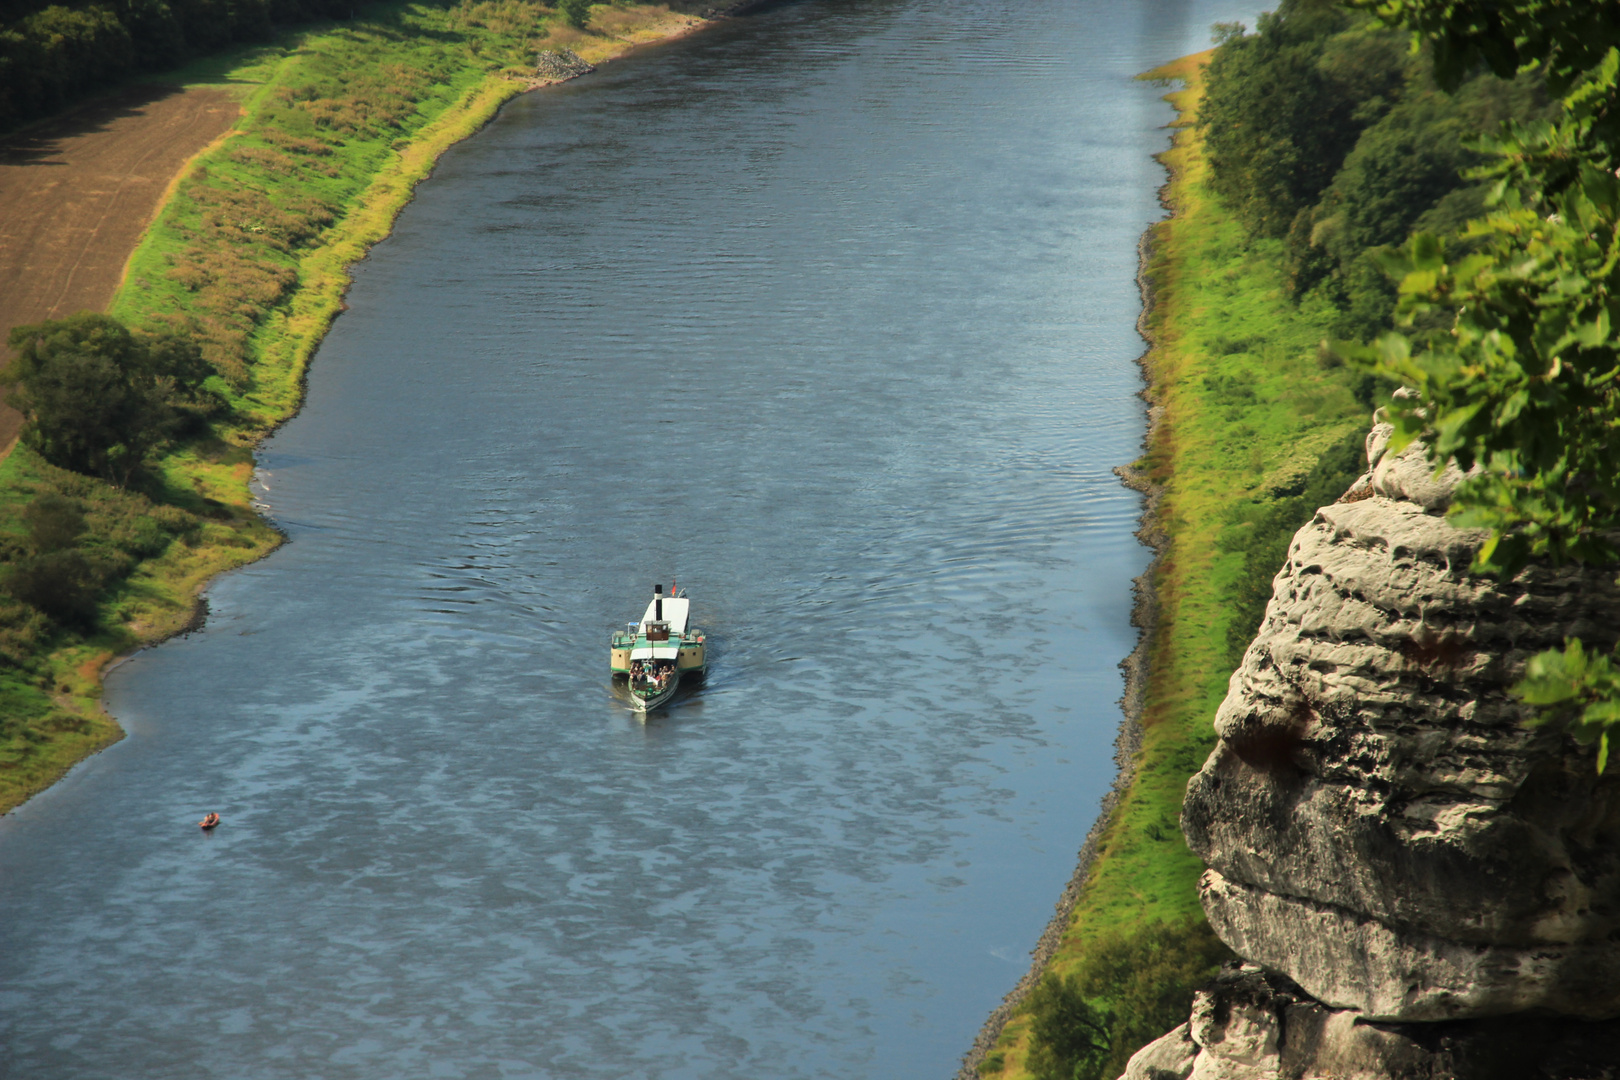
(1253, 426)
(224, 302)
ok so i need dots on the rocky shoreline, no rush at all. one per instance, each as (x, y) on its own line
(562, 65)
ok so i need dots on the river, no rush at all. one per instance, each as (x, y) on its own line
(826, 313)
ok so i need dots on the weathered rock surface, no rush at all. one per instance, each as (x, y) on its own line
(1252, 1025)
(1378, 823)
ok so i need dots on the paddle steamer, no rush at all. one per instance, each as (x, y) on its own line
(654, 655)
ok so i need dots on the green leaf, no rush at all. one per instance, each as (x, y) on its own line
(1590, 335)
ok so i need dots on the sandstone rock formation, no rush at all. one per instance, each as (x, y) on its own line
(1253, 1025)
(1383, 834)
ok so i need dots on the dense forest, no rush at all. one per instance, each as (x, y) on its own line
(51, 53)
(1325, 129)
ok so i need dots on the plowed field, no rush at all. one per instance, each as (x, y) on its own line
(76, 193)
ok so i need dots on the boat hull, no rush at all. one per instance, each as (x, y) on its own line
(647, 703)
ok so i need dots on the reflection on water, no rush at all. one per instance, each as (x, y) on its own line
(827, 313)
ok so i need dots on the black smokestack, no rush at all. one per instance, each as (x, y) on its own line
(658, 602)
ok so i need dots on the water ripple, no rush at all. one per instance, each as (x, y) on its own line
(829, 314)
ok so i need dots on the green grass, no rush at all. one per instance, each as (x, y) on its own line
(1248, 412)
(250, 255)
(330, 148)
(50, 682)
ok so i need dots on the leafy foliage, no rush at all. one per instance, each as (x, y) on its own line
(63, 585)
(23, 629)
(1128, 989)
(1286, 104)
(1262, 531)
(1325, 129)
(54, 576)
(53, 522)
(1577, 688)
(1563, 37)
(98, 398)
(1524, 382)
(81, 537)
(576, 12)
(1508, 331)
(1070, 1034)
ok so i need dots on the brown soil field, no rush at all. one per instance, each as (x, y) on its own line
(77, 191)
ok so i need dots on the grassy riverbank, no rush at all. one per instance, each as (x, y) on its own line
(1253, 429)
(249, 256)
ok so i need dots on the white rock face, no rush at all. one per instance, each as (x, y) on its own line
(1407, 476)
(1255, 1025)
(1379, 825)
(1169, 1058)
(1238, 1038)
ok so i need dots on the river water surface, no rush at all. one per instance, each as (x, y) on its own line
(827, 313)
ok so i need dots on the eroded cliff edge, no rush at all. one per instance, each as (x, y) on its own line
(1422, 885)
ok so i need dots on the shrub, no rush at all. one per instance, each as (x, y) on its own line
(51, 53)
(62, 584)
(1263, 532)
(1128, 989)
(1325, 131)
(53, 522)
(1070, 1034)
(81, 538)
(23, 629)
(577, 12)
(1284, 106)
(96, 397)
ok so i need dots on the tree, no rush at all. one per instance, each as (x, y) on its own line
(63, 584)
(1284, 105)
(1126, 990)
(53, 576)
(53, 522)
(1564, 38)
(577, 12)
(1069, 1034)
(98, 398)
(1326, 130)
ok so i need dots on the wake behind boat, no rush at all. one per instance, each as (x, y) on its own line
(656, 653)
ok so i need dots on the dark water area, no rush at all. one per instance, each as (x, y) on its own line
(827, 313)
